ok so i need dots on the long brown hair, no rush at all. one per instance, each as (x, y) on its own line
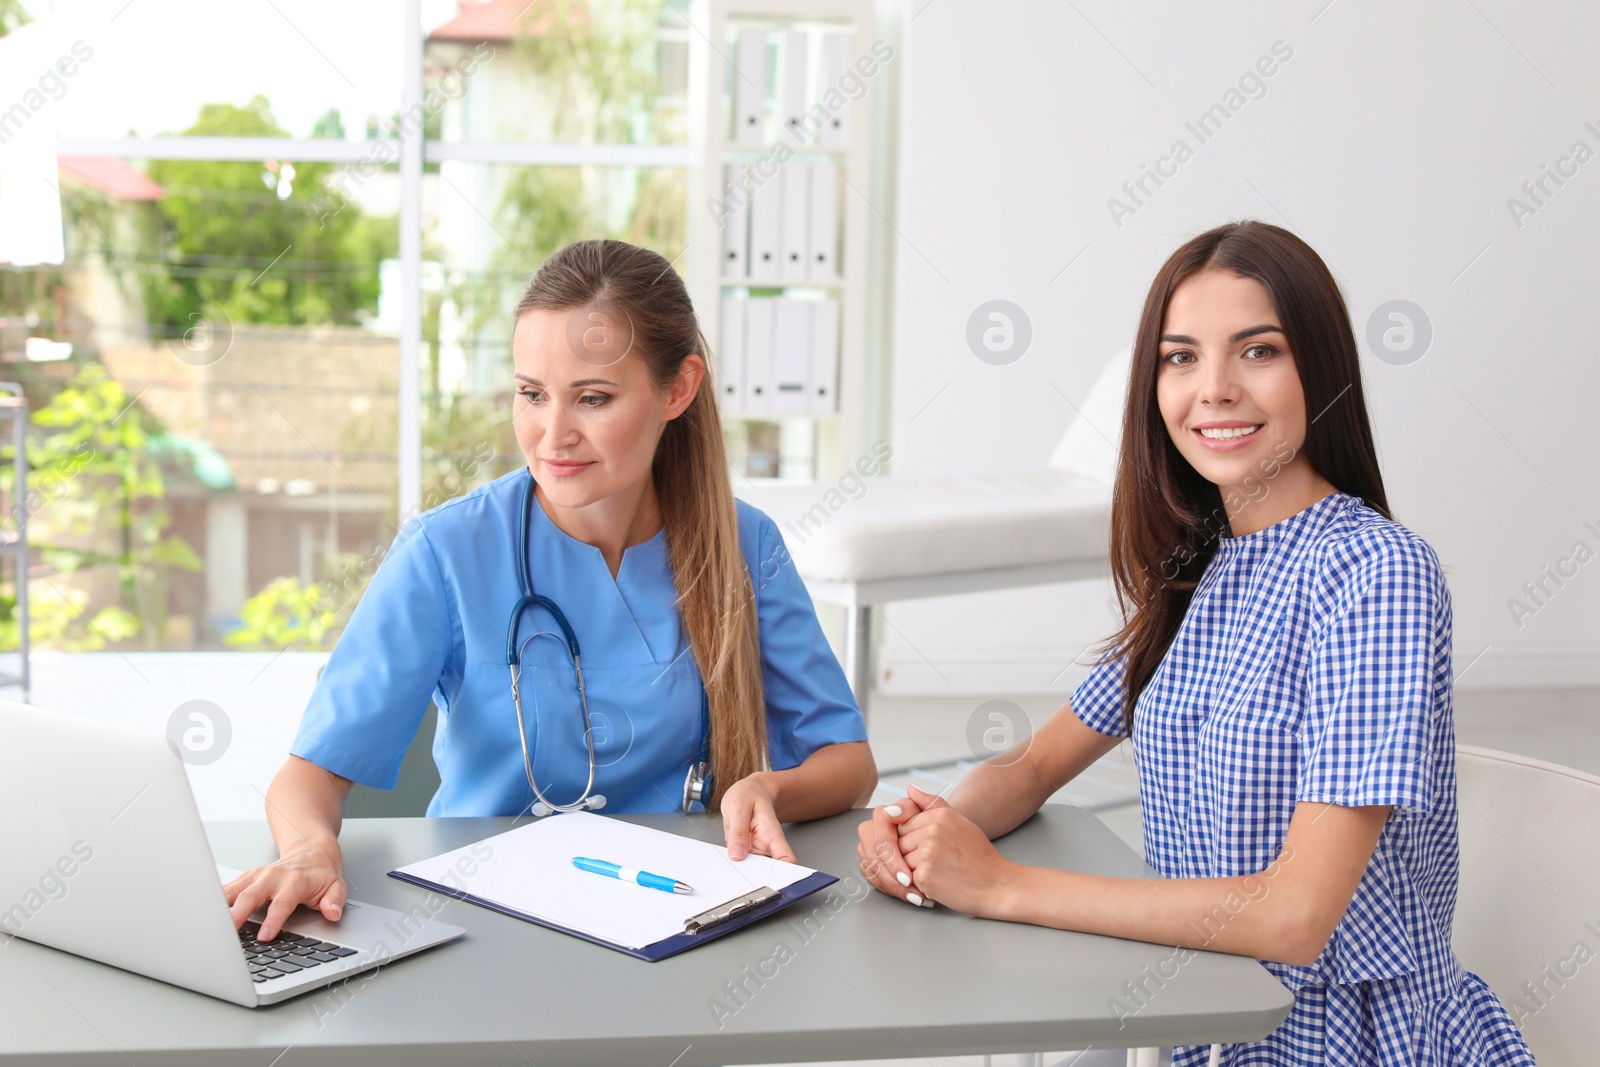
(1165, 516)
(715, 598)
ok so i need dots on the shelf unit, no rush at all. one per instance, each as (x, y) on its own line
(14, 542)
(814, 444)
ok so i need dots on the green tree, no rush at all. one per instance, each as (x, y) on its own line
(105, 509)
(596, 64)
(330, 125)
(12, 15)
(249, 239)
(284, 613)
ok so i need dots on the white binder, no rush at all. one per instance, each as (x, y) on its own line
(795, 237)
(792, 101)
(758, 311)
(730, 354)
(791, 357)
(824, 376)
(750, 88)
(736, 223)
(835, 61)
(766, 227)
(823, 240)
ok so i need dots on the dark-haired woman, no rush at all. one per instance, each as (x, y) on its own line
(667, 628)
(1284, 673)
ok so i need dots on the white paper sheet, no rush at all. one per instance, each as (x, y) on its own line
(530, 870)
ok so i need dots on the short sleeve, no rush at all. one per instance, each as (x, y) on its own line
(376, 687)
(809, 703)
(1367, 734)
(1098, 700)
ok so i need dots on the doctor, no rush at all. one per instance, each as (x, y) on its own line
(607, 628)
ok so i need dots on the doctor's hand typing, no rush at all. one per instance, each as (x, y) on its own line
(310, 876)
(305, 806)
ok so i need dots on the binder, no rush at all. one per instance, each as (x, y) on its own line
(527, 873)
(823, 241)
(824, 374)
(750, 88)
(791, 357)
(736, 223)
(766, 227)
(730, 353)
(758, 312)
(792, 102)
(835, 61)
(796, 194)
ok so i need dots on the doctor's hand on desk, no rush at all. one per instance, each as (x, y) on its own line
(750, 821)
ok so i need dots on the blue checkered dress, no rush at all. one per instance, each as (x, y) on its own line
(1314, 665)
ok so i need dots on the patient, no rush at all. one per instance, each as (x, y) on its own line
(1283, 670)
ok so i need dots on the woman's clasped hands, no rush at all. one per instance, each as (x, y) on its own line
(922, 850)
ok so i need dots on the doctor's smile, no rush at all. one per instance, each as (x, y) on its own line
(563, 468)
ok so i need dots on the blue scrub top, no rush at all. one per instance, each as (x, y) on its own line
(433, 624)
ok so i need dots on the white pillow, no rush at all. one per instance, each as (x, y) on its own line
(1089, 447)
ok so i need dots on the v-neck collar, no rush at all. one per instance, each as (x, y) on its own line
(652, 546)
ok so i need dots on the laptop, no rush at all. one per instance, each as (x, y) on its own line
(102, 830)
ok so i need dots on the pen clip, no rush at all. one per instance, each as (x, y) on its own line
(737, 906)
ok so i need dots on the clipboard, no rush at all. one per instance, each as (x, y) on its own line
(526, 873)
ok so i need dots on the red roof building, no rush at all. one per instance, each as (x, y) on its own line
(116, 177)
(490, 20)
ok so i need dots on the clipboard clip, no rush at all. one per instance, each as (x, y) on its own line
(735, 907)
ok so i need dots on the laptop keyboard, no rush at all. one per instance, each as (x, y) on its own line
(285, 954)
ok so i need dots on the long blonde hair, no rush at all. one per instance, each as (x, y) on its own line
(716, 600)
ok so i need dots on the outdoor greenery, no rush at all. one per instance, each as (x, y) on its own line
(285, 262)
(102, 511)
(597, 72)
(285, 613)
(252, 243)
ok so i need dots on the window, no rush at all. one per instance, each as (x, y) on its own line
(241, 379)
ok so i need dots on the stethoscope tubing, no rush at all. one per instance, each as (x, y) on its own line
(697, 786)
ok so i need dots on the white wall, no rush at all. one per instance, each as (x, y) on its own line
(1391, 141)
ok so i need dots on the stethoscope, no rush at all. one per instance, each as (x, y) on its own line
(697, 784)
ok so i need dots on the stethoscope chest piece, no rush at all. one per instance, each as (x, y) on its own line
(697, 785)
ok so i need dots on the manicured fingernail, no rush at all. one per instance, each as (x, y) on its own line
(893, 811)
(927, 903)
(905, 879)
(915, 899)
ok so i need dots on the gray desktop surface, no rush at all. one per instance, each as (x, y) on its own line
(847, 974)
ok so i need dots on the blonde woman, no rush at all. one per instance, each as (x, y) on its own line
(607, 627)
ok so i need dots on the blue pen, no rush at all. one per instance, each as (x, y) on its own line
(627, 874)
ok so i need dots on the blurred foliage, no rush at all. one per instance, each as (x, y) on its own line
(289, 260)
(97, 501)
(330, 126)
(57, 619)
(597, 66)
(284, 613)
(597, 69)
(12, 15)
